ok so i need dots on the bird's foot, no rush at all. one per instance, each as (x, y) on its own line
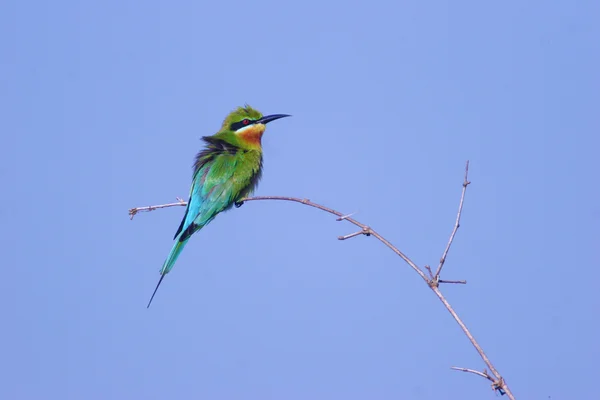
(238, 204)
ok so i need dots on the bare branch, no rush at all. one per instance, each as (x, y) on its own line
(343, 217)
(133, 211)
(456, 224)
(364, 227)
(499, 380)
(364, 231)
(483, 374)
(462, 282)
(351, 235)
(433, 281)
(496, 384)
(428, 268)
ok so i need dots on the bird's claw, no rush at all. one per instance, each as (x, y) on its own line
(238, 204)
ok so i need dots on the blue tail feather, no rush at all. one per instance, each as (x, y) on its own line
(169, 263)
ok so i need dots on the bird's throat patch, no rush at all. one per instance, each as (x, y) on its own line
(252, 134)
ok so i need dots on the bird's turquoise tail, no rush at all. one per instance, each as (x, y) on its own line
(173, 255)
(169, 263)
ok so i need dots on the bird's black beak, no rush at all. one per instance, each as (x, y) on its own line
(268, 118)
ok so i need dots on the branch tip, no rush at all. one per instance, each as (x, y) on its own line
(343, 217)
(483, 374)
(462, 282)
(497, 384)
(350, 235)
(428, 268)
(456, 224)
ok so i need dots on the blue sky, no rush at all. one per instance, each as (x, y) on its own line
(103, 104)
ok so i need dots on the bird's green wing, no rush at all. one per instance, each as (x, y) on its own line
(214, 189)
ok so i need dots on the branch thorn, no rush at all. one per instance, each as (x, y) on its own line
(364, 231)
(343, 217)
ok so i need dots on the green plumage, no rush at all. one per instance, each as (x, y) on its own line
(226, 171)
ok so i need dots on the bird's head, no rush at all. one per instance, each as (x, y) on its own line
(248, 124)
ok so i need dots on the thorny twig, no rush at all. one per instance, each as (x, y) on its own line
(428, 268)
(456, 224)
(134, 211)
(496, 384)
(432, 281)
(462, 282)
(483, 374)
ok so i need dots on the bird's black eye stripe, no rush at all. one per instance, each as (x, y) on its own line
(240, 124)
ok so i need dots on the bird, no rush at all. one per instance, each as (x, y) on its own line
(226, 171)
